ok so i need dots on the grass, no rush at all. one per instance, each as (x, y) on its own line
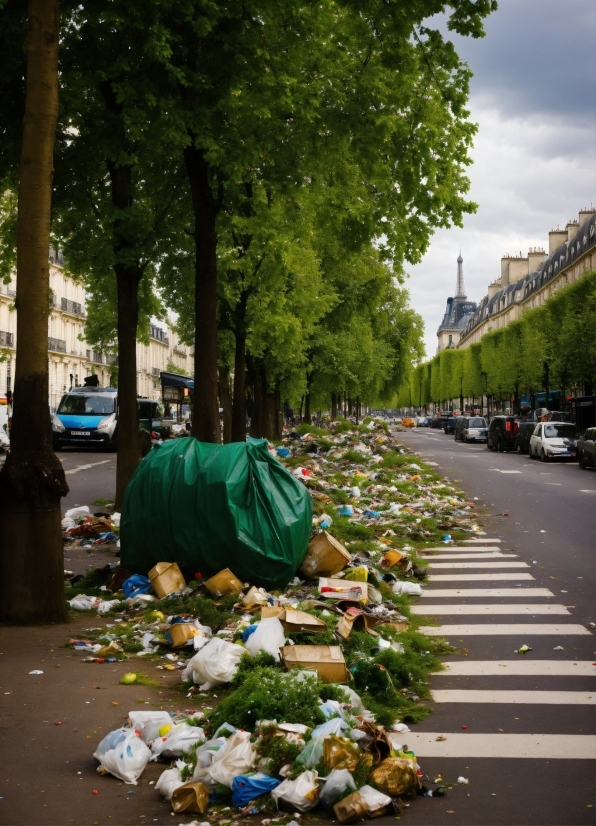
(103, 502)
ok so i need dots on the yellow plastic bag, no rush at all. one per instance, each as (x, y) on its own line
(340, 753)
(395, 776)
(192, 798)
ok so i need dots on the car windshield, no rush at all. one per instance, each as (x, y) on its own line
(82, 405)
(477, 422)
(561, 431)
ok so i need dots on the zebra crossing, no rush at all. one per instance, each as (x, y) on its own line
(524, 612)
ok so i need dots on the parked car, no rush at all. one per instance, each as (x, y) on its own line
(408, 421)
(586, 449)
(422, 421)
(553, 440)
(473, 429)
(459, 428)
(524, 433)
(438, 421)
(501, 433)
(450, 422)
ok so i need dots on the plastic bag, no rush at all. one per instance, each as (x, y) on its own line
(71, 515)
(168, 782)
(301, 794)
(353, 699)
(148, 723)
(312, 753)
(412, 588)
(334, 726)
(178, 740)
(135, 585)
(190, 797)
(248, 787)
(395, 776)
(216, 662)
(106, 605)
(205, 755)
(336, 785)
(340, 753)
(127, 757)
(236, 757)
(269, 636)
(84, 603)
(375, 800)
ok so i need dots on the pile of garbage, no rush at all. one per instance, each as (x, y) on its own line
(80, 528)
(303, 693)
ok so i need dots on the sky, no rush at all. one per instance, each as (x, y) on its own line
(533, 96)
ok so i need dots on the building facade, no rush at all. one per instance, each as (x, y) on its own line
(457, 313)
(70, 358)
(527, 281)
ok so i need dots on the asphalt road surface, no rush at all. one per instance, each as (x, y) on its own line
(520, 728)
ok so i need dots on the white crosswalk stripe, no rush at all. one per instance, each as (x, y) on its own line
(520, 668)
(488, 610)
(481, 539)
(508, 746)
(475, 555)
(498, 629)
(551, 698)
(453, 565)
(485, 593)
(477, 577)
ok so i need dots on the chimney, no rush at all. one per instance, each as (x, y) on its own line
(536, 256)
(505, 270)
(585, 215)
(556, 237)
(493, 289)
(572, 228)
(518, 267)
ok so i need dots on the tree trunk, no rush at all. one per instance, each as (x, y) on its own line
(307, 416)
(357, 410)
(32, 481)
(334, 406)
(225, 398)
(205, 422)
(239, 402)
(255, 419)
(278, 421)
(127, 439)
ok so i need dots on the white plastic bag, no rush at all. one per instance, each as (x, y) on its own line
(115, 519)
(178, 740)
(216, 662)
(84, 603)
(126, 757)
(148, 723)
(106, 605)
(236, 757)
(374, 799)
(70, 517)
(301, 794)
(335, 725)
(353, 699)
(400, 588)
(205, 755)
(338, 782)
(168, 782)
(269, 636)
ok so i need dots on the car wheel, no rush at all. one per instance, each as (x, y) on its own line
(499, 445)
(543, 456)
(582, 462)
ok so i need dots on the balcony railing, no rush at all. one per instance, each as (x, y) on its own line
(180, 351)
(6, 289)
(72, 307)
(155, 371)
(56, 344)
(111, 359)
(95, 357)
(6, 339)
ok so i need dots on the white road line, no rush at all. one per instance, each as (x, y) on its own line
(520, 668)
(477, 577)
(453, 565)
(550, 698)
(517, 629)
(510, 471)
(475, 555)
(482, 539)
(581, 490)
(451, 548)
(488, 610)
(507, 746)
(486, 593)
(86, 467)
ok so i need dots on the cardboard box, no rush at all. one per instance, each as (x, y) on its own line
(166, 578)
(343, 589)
(294, 621)
(223, 583)
(325, 557)
(327, 660)
(272, 611)
(181, 632)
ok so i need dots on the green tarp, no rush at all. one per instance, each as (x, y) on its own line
(210, 507)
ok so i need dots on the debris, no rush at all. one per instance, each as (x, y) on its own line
(523, 649)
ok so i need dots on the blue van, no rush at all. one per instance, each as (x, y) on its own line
(88, 416)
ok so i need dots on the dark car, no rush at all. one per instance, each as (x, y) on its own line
(525, 428)
(450, 422)
(461, 423)
(502, 431)
(586, 449)
(438, 421)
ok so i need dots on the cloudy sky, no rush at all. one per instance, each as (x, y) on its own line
(533, 96)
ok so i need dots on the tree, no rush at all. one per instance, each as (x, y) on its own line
(32, 481)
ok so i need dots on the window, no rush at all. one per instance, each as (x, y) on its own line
(559, 431)
(82, 405)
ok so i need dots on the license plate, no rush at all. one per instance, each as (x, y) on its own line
(80, 433)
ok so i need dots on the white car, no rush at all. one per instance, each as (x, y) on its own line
(475, 430)
(554, 440)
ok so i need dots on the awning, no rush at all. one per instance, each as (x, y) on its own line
(176, 380)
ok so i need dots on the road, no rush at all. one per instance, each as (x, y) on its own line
(519, 727)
